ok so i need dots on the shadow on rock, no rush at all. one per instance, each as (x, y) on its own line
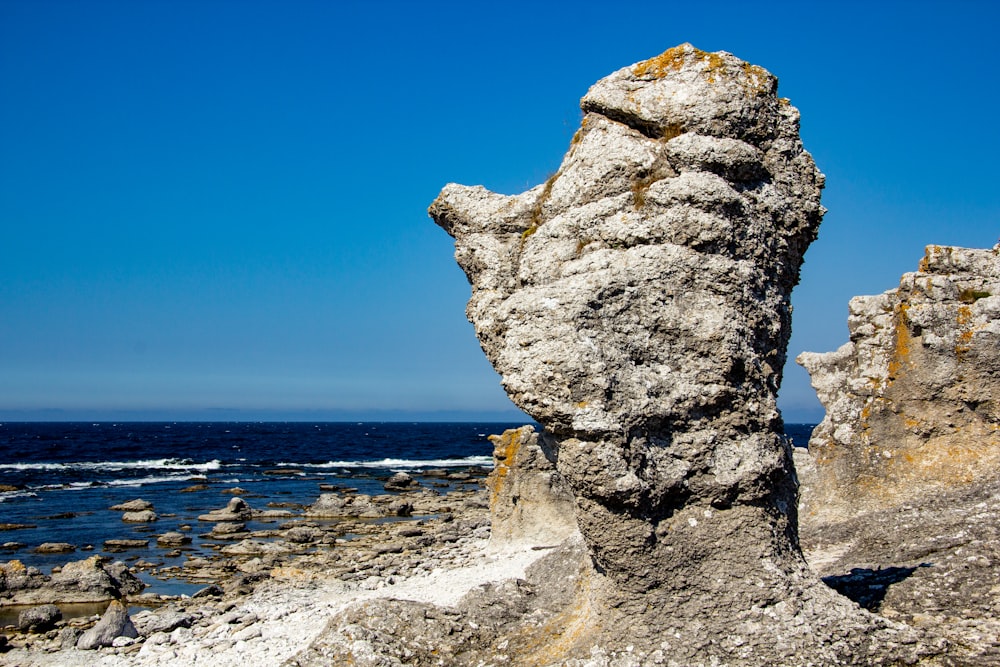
(868, 587)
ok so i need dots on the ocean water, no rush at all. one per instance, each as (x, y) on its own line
(66, 476)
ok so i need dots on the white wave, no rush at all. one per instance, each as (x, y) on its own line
(150, 464)
(10, 495)
(143, 481)
(398, 464)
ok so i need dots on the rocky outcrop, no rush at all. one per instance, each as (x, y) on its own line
(913, 399)
(89, 580)
(530, 502)
(114, 623)
(636, 305)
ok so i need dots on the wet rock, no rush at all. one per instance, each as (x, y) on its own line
(401, 481)
(173, 539)
(144, 516)
(16, 526)
(124, 545)
(227, 528)
(137, 505)
(55, 548)
(194, 488)
(38, 619)
(114, 623)
(237, 510)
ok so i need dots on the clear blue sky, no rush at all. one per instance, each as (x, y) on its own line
(217, 209)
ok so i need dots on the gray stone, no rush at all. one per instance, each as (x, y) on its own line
(164, 621)
(137, 505)
(236, 510)
(142, 516)
(115, 622)
(55, 548)
(401, 481)
(123, 545)
(530, 503)
(636, 305)
(173, 539)
(38, 619)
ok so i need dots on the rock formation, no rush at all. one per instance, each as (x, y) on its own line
(913, 400)
(89, 580)
(901, 477)
(529, 500)
(636, 305)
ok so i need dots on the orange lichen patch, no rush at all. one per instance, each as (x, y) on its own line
(672, 60)
(505, 448)
(582, 404)
(903, 344)
(756, 78)
(963, 341)
(660, 66)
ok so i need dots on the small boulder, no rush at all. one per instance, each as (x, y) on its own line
(137, 505)
(38, 619)
(303, 534)
(114, 623)
(55, 548)
(142, 516)
(236, 510)
(401, 482)
(228, 528)
(162, 621)
(173, 539)
(124, 545)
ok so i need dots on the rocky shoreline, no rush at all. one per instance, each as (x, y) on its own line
(343, 547)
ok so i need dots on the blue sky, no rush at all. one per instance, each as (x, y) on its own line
(217, 209)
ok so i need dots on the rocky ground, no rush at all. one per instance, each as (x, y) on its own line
(264, 599)
(933, 564)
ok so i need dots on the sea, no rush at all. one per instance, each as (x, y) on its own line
(61, 478)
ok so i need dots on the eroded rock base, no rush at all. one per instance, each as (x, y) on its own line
(566, 613)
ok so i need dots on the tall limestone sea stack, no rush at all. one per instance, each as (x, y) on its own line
(636, 305)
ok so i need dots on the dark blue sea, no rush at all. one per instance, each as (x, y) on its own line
(66, 476)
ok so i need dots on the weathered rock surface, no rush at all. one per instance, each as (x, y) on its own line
(529, 500)
(235, 511)
(913, 399)
(636, 305)
(900, 493)
(38, 619)
(89, 580)
(114, 623)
